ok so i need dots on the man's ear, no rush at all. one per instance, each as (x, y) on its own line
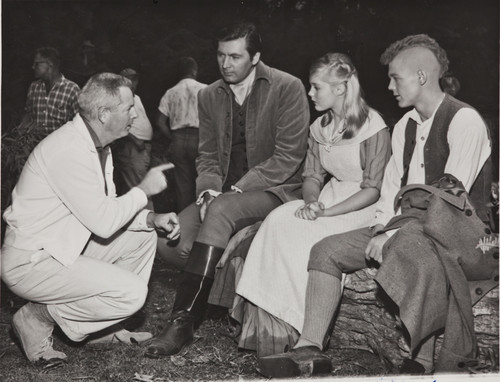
(422, 77)
(256, 58)
(103, 114)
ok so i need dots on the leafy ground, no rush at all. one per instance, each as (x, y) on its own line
(211, 357)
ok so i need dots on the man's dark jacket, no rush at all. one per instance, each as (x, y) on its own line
(277, 127)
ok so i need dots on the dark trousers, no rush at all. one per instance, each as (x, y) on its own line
(341, 253)
(226, 215)
(183, 151)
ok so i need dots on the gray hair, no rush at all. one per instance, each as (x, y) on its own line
(101, 90)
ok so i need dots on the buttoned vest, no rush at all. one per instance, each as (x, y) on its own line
(238, 163)
(437, 150)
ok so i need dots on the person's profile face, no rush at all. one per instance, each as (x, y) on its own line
(403, 82)
(322, 93)
(235, 63)
(121, 116)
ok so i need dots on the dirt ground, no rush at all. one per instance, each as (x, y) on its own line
(211, 357)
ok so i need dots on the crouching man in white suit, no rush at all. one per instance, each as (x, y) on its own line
(78, 253)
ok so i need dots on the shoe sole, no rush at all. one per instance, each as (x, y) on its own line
(286, 367)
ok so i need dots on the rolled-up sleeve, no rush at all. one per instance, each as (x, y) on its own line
(313, 168)
(375, 153)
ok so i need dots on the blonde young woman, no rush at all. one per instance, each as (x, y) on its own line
(351, 143)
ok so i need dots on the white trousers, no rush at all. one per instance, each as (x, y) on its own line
(105, 285)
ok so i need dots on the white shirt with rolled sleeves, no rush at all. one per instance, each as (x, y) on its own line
(60, 199)
(180, 104)
(469, 149)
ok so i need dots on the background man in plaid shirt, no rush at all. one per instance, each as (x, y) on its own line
(52, 99)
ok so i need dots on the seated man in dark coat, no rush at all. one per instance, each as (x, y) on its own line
(253, 138)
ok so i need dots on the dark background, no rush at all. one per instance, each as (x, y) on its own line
(149, 35)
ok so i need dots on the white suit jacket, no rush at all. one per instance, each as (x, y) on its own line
(60, 199)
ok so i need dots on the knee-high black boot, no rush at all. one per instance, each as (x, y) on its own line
(190, 301)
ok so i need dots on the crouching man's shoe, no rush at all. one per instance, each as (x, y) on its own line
(117, 334)
(178, 334)
(304, 361)
(33, 325)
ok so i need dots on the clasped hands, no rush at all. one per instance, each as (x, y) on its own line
(310, 211)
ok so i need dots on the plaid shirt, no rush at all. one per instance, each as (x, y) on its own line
(51, 111)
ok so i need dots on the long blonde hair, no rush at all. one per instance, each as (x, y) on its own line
(337, 68)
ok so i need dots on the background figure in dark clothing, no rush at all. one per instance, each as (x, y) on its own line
(132, 154)
(178, 120)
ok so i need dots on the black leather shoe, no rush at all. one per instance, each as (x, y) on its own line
(177, 335)
(411, 367)
(304, 361)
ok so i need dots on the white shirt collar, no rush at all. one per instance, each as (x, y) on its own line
(416, 116)
(242, 90)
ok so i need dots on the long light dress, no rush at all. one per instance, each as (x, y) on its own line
(274, 276)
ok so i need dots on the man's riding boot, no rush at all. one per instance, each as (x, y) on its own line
(190, 301)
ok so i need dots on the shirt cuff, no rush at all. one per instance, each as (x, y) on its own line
(237, 189)
(140, 222)
(213, 193)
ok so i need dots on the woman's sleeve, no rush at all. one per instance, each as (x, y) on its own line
(313, 168)
(375, 153)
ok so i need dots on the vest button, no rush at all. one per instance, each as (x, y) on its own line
(496, 278)
(479, 291)
(468, 212)
(421, 165)
(487, 231)
(495, 255)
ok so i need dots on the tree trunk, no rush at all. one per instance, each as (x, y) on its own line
(367, 320)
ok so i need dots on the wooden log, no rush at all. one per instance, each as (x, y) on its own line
(367, 320)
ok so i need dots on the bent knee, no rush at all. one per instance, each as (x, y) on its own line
(148, 239)
(218, 208)
(323, 257)
(175, 255)
(134, 297)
